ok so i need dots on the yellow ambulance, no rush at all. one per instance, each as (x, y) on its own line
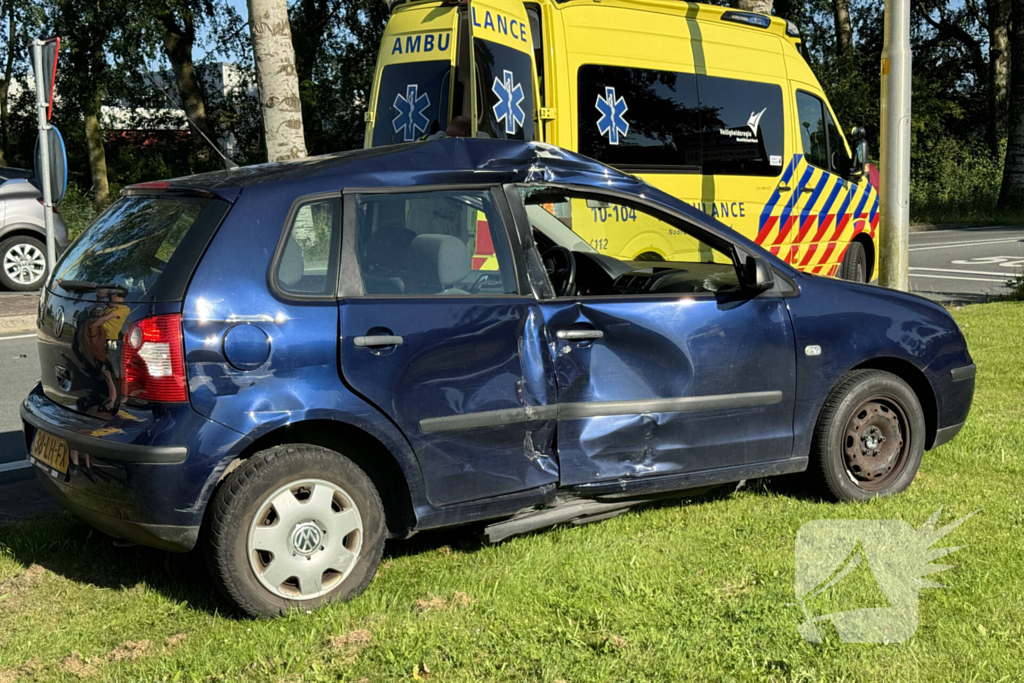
(716, 106)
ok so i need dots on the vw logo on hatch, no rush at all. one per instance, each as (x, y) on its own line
(306, 538)
(58, 322)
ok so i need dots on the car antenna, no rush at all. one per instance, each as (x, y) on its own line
(229, 165)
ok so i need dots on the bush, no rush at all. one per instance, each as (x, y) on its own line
(78, 209)
(956, 182)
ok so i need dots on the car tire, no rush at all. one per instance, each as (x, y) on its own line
(855, 264)
(272, 491)
(22, 264)
(869, 439)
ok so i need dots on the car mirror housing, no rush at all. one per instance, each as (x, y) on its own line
(758, 275)
(858, 169)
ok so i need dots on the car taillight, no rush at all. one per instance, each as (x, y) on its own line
(153, 366)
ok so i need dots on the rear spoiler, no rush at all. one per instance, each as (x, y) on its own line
(166, 188)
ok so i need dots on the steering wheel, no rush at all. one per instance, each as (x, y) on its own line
(560, 265)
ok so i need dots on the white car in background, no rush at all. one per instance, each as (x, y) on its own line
(22, 233)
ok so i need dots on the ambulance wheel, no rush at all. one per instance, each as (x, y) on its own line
(855, 264)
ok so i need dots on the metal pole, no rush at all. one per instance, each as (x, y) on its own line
(894, 232)
(44, 148)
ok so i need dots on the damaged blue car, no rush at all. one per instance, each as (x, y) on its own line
(297, 361)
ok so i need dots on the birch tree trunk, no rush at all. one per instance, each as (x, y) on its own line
(762, 6)
(1011, 197)
(277, 80)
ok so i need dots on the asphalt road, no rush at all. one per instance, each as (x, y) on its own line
(965, 266)
(947, 265)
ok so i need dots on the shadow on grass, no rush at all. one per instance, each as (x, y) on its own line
(70, 548)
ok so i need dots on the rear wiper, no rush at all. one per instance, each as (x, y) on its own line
(86, 286)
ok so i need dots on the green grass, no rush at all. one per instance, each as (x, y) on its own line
(696, 590)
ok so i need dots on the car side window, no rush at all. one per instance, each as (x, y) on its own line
(813, 134)
(307, 263)
(657, 253)
(449, 242)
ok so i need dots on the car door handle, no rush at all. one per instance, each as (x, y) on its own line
(372, 341)
(785, 188)
(579, 335)
(808, 190)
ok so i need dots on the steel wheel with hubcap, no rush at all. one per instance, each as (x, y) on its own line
(23, 266)
(305, 539)
(870, 436)
(294, 526)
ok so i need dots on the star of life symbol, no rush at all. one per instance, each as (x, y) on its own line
(611, 122)
(754, 122)
(509, 107)
(885, 558)
(410, 112)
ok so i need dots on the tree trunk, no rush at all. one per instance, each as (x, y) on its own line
(844, 30)
(277, 80)
(178, 39)
(97, 153)
(999, 67)
(762, 6)
(1011, 197)
(5, 122)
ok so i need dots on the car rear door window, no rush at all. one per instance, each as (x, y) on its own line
(448, 242)
(307, 261)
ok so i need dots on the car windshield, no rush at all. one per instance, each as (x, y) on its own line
(543, 220)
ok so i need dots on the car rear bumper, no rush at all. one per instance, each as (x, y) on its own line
(145, 476)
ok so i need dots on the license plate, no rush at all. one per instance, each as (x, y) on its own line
(51, 450)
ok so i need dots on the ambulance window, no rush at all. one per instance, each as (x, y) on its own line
(743, 129)
(813, 135)
(839, 161)
(639, 119)
(412, 101)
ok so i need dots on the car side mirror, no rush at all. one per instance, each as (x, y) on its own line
(758, 276)
(859, 166)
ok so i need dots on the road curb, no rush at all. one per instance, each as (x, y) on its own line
(12, 324)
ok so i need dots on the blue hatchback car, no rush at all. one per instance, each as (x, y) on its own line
(295, 362)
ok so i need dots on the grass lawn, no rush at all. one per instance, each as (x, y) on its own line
(696, 590)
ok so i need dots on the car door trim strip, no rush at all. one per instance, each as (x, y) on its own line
(576, 411)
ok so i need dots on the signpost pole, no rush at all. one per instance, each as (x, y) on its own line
(894, 232)
(42, 88)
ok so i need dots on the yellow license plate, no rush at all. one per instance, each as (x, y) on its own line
(51, 450)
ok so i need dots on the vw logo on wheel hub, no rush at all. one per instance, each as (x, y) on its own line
(306, 538)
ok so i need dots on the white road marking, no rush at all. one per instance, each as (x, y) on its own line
(11, 466)
(1007, 274)
(977, 243)
(956, 277)
(19, 336)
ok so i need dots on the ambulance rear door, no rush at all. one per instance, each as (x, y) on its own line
(412, 89)
(504, 87)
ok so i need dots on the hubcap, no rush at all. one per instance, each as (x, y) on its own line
(305, 539)
(24, 264)
(875, 443)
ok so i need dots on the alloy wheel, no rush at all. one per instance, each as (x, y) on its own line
(24, 264)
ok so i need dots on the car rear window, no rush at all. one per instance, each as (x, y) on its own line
(146, 245)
